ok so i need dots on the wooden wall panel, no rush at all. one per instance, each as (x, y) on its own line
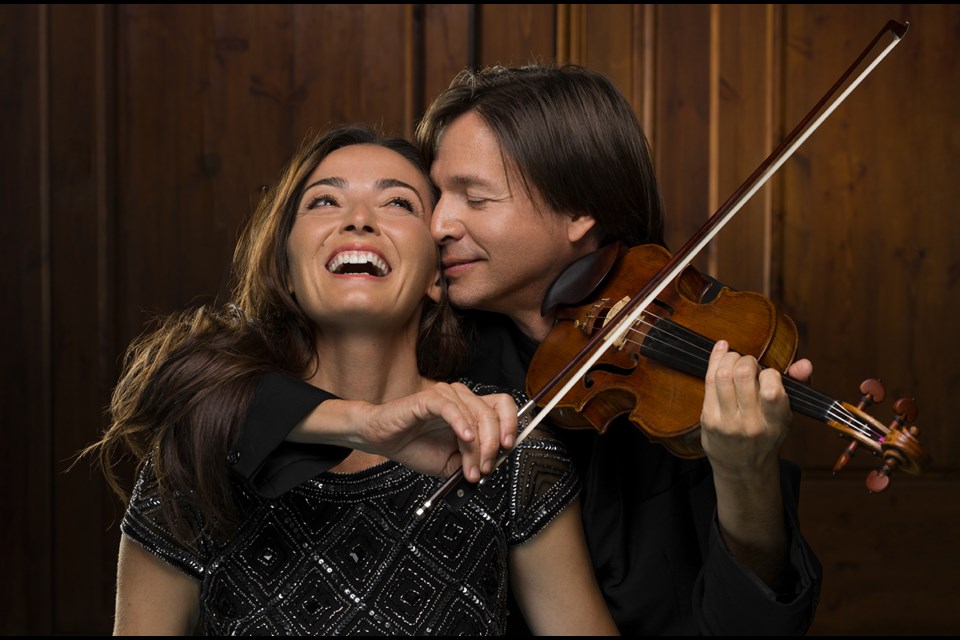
(870, 245)
(682, 119)
(870, 241)
(449, 45)
(889, 560)
(515, 34)
(221, 120)
(744, 128)
(27, 468)
(349, 64)
(80, 315)
(610, 39)
(168, 249)
(871, 238)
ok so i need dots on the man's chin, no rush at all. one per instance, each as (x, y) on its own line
(463, 301)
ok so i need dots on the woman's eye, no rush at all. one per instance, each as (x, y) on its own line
(401, 202)
(476, 202)
(321, 201)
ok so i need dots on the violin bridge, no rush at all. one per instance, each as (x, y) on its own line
(612, 315)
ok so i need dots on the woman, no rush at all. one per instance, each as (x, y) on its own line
(338, 286)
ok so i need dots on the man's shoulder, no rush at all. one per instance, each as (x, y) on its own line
(487, 323)
(496, 355)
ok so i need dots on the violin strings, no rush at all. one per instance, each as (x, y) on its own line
(804, 398)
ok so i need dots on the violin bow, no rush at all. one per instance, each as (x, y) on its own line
(611, 333)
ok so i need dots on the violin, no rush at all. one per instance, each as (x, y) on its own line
(635, 329)
(653, 373)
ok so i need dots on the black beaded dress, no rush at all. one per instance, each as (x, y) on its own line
(346, 554)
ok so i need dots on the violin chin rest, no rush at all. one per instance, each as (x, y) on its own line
(581, 278)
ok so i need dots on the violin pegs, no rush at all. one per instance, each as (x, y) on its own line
(846, 456)
(877, 480)
(872, 392)
(906, 410)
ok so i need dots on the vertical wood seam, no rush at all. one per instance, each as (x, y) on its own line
(105, 168)
(46, 310)
(768, 121)
(648, 50)
(713, 132)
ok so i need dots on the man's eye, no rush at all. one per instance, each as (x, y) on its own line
(476, 202)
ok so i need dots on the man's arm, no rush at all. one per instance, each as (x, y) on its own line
(435, 431)
(294, 431)
(746, 417)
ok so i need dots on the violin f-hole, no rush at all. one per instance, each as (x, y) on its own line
(611, 368)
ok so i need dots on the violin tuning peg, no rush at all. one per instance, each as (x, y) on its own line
(845, 457)
(906, 410)
(877, 480)
(872, 391)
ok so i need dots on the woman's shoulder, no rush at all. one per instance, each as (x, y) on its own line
(542, 436)
(485, 388)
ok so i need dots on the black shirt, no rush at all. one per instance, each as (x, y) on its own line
(650, 523)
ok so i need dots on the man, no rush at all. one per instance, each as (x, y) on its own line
(538, 167)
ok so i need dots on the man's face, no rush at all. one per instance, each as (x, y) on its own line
(500, 250)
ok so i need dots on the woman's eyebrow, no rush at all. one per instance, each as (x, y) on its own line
(340, 183)
(386, 183)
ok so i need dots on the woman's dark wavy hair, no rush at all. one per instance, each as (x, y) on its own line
(570, 134)
(187, 381)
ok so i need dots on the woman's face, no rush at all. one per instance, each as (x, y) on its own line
(360, 251)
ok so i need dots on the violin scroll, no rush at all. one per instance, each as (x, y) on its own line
(873, 393)
(897, 444)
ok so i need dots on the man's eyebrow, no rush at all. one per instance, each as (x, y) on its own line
(467, 181)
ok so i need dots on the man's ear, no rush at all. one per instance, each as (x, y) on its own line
(579, 226)
(435, 290)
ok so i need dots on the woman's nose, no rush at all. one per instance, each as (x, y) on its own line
(360, 219)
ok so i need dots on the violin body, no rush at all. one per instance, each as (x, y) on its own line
(643, 375)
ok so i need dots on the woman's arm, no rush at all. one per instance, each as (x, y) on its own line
(153, 598)
(553, 581)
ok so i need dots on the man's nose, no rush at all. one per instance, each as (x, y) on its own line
(445, 225)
